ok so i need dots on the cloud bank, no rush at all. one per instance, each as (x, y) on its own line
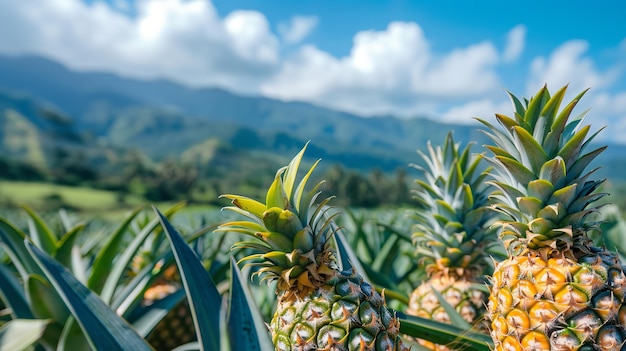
(393, 71)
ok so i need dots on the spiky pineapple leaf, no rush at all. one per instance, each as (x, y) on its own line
(276, 196)
(105, 257)
(202, 294)
(541, 189)
(40, 233)
(246, 329)
(532, 153)
(570, 151)
(444, 334)
(390, 247)
(298, 200)
(21, 334)
(517, 170)
(45, 302)
(192, 346)
(455, 318)
(72, 337)
(12, 240)
(63, 253)
(131, 295)
(116, 272)
(12, 293)
(156, 312)
(535, 107)
(103, 328)
(292, 171)
(347, 258)
(247, 204)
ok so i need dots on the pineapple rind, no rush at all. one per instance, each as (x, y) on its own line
(343, 314)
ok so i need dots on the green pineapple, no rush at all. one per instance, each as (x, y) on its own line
(319, 306)
(453, 236)
(556, 291)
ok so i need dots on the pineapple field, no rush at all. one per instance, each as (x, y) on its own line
(511, 245)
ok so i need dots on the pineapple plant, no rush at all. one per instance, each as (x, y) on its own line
(453, 236)
(176, 328)
(319, 307)
(556, 290)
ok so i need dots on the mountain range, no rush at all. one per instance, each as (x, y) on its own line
(43, 104)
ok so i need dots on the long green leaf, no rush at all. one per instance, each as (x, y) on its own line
(455, 318)
(12, 239)
(444, 334)
(116, 272)
(20, 334)
(45, 301)
(202, 295)
(103, 328)
(192, 346)
(66, 244)
(40, 233)
(72, 337)
(154, 313)
(105, 257)
(245, 324)
(347, 257)
(132, 293)
(12, 294)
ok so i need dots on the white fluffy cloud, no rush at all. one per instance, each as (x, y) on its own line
(298, 28)
(178, 39)
(515, 41)
(391, 71)
(568, 65)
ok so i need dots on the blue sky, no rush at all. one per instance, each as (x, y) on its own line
(449, 60)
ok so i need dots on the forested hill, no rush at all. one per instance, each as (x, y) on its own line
(56, 111)
(125, 112)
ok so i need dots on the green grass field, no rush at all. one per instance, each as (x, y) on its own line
(41, 195)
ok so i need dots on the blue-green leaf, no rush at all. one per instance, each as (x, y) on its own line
(45, 302)
(40, 233)
(202, 295)
(12, 294)
(444, 334)
(63, 252)
(347, 257)
(29, 331)
(245, 324)
(12, 239)
(455, 318)
(154, 313)
(103, 328)
(104, 259)
(72, 337)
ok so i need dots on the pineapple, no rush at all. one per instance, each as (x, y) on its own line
(556, 290)
(319, 307)
(177, 327)
(453, 236)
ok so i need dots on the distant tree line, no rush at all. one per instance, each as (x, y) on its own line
(172, 180)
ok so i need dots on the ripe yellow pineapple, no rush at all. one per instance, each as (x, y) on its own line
(453, 236)
(319, 307)
(556, 291)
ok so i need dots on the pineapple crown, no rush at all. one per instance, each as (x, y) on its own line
(453, 232)
(539, 159)
(290, 233)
